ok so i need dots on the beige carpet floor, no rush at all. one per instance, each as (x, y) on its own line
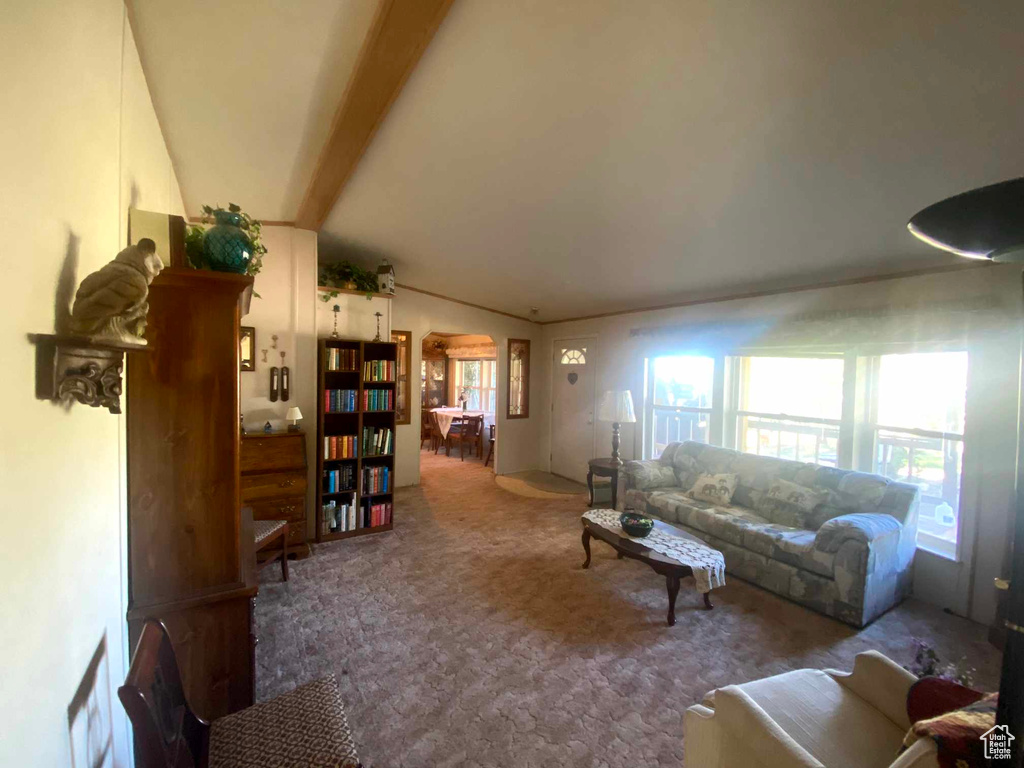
(470, 636)
(539, 485)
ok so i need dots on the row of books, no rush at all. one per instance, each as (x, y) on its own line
(337, 518)
(341, 518)
(340, 446)
(340, 479)
(377, 441)
(378, 399)
(376, 479)
(340, 400)
(378, 514)
(379, 370)
(341, 359)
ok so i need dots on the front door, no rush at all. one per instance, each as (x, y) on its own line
(572, 407)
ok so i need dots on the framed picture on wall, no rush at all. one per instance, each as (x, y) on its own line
(247, 345)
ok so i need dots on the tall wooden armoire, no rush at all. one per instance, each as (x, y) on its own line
(191, 558)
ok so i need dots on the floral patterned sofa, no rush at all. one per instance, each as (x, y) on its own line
(839, 542)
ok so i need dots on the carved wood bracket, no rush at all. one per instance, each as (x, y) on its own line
(72, 368)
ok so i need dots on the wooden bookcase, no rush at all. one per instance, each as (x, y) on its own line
(352, 423)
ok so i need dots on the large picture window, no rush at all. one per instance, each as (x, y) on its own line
(680, 400)
(918, 428)
(790, 407)
(478, 379)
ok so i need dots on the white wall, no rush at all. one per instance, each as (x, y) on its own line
(79, 144)
(517, 447)
(991, 408)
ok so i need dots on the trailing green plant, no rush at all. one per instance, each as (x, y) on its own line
(336, 275)
(926, 663)
(253, 227)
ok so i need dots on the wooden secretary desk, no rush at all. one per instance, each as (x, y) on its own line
(191, 554)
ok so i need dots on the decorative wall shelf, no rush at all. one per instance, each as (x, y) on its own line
(327, 289)
(76, 368)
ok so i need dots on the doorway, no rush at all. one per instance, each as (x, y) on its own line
(573, 382)
(456, 370)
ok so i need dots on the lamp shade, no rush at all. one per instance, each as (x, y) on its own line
(617, 405)
(984, 223)
(294, 414)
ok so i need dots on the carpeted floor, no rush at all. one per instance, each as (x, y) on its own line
(470, 636)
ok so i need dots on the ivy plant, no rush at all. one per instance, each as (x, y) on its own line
(336, 275)
(253, 228)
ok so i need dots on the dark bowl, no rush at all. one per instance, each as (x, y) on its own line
(636, 525)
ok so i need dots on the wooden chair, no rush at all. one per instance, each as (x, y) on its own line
(304, 727)
(266, 532)
(472, 432)
(454, 430)
(490, 446)
(426, 427)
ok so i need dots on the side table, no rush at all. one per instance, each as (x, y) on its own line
(604, 468)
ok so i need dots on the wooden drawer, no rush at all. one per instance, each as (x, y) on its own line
(273, 453)
(268, 485)
(293, 510)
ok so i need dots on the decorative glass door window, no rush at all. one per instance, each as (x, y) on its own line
(574, 356)
(680, 401)
(518, 379)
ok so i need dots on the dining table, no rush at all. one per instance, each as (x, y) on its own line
(445, 417)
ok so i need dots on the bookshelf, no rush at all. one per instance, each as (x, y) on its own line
(355, 437)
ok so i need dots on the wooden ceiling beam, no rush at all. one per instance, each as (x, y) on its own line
(400, 33)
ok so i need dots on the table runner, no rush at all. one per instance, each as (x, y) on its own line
(708, 564)
(446, 415)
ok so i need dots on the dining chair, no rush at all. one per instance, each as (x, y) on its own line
(442, 439)
(490, 446)
(472, 432)
(426, 427)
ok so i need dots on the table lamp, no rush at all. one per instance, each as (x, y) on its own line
(616, 407)
(294, 414)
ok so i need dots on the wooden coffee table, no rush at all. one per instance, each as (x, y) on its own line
(664, 565)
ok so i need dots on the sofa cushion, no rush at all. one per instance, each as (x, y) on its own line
(716, 489)
(792, 546)
(790, 504)
(647, 475)
(686, 469)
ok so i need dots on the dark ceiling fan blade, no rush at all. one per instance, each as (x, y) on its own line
(985, 223)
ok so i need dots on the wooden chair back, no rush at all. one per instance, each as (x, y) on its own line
(167, 733)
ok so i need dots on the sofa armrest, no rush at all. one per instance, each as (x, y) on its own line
(881, 682)
(739, 732)
(648, 475)
(864, 527)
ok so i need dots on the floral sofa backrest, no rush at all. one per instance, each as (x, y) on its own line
(842, 491)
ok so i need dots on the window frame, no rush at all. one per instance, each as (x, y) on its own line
(524, 381)
(485, 386)
(651, 409)
(402, 377)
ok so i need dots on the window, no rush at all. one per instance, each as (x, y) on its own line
(790, 407)
(478, 380)
(919, 436)
(404, 341)
(679, 401)
(574, 356)
(518, 379)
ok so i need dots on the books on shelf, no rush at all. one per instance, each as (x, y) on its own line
(379, 370)
(340, 479)
(373, 515)
(338, 518)
(340, 447)
(376, 480)
(340, 400)
(378, 399)
(340, 359)
(377, 441)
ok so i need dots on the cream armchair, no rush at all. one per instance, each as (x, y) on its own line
(808, 718)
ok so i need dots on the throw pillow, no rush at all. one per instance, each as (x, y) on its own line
(648, 475)
(716, 489)
(789, 504)
(686, 469)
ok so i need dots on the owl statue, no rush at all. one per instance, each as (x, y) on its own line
(111, 304)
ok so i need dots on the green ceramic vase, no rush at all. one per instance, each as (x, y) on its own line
(226, 245)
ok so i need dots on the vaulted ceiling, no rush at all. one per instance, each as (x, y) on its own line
(594, 155)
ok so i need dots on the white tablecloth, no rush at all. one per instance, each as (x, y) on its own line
(445, 416)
